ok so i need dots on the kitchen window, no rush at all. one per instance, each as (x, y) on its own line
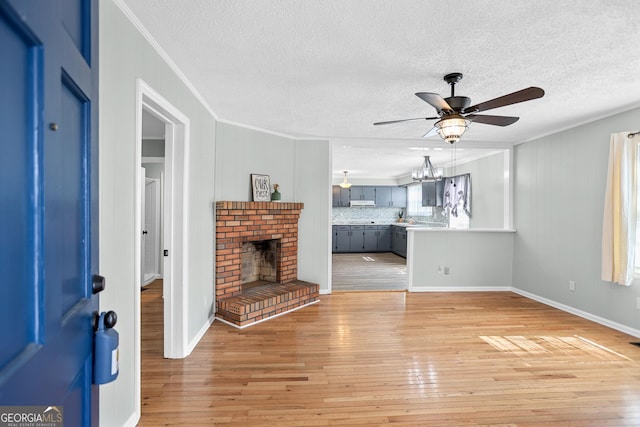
(429, 213)
(414, 201)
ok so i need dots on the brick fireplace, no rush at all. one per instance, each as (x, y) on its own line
(267, 225)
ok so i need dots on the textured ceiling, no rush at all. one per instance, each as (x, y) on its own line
(331, 68)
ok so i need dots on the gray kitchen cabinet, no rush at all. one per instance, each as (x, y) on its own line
(429, 193)
(393, 197)
(342, 238)
(399, 240)
(362, 192)
(370, 238)
(399, 197)
(393, 239)
(383, 197)
(384, 238)
(334, 238)
(432, 193)
(340, 197)
(357, 238)
(361, 238)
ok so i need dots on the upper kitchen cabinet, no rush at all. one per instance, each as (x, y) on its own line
(363, 192)
(393, 197)
(340, 197)
(432, 193)
(383, 196)
(429, 193)
(399, 197)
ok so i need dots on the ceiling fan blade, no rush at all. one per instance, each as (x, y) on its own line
(435, 100)
(432, 131)
(404, 120)
(512, 98)
(492, 120)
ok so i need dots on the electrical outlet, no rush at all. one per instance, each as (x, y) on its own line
(446, 270)
(638, 303)
(572, 285)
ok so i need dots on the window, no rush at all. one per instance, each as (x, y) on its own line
(433, 214)
(414, 201)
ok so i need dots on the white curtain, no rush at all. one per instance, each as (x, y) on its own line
(620, 206)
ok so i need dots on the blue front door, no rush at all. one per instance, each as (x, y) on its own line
(48, 205)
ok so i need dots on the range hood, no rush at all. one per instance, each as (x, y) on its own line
(362, 203)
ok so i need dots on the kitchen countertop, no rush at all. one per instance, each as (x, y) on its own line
(429, 226)
(399, 224)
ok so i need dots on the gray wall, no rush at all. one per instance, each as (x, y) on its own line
(303, 171)
(124, 56)
(487, 190)
(477, 260)
(559, 194)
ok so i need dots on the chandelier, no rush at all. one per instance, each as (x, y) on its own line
(345, 184)
(426, 172)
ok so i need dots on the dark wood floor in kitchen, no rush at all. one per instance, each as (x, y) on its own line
(383, 271)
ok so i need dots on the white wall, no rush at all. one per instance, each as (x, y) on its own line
(559, 194)
(303, 171)
(477, 259)
(124, 56)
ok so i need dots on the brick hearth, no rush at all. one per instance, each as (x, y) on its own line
(240, 222)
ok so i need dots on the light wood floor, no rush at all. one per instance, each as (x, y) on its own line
(368, 272)
(410, 359)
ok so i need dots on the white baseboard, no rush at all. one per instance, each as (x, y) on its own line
(592, 317)
(133, 420)
(194, 342)
(461, 289)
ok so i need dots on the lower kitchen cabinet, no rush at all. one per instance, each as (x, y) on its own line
(399, 240)
(370, 238)
(357, 238)
(384, 238)
(342, 238)
(361, 238)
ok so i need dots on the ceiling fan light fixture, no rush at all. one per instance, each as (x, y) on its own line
(451, 128)
(345, 184)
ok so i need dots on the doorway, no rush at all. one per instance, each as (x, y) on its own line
(376, 271)
(161, 171)
(152, 175)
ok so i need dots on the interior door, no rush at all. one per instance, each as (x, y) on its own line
(143, 216)
(151, 226)
(48, 213)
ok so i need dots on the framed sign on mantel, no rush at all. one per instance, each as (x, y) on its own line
(261, 186)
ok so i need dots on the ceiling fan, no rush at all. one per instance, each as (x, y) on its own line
(455, 114)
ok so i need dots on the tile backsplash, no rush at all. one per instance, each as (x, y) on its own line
(366, 214)
(383, 215)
